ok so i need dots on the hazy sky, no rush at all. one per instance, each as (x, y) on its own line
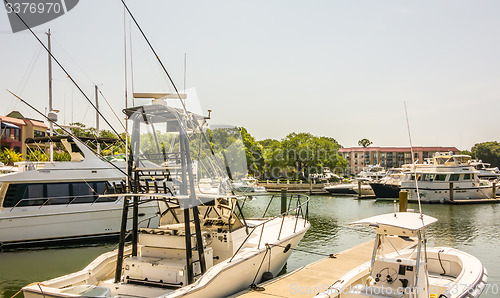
(341, 69)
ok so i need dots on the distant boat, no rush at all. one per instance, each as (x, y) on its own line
(449, 178)
(389, 186)
(248, 185)
(419, 272)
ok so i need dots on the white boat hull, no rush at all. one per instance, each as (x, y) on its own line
(25, 226)
(220, 280)
(442, 195)
(452, 273)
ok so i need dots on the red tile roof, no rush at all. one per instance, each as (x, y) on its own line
(398, 149)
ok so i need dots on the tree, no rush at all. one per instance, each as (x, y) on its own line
(365, 143)
(487, 152)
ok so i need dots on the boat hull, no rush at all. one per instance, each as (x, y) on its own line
(220, 280)
(341, 189)
(452, 273)
(53, 225)
(385, 191)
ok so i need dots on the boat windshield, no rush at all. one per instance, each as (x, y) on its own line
(197, 161)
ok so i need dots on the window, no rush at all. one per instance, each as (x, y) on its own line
(82, 193)
(454, 177)
(37, 194)
(467, 176)
(429, 177)
(38, 133)
(58, 193)
(440, 177)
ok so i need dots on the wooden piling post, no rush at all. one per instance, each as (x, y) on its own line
(310, 187)
(359, 189)
(451, 191)
(283, 200)
(403, 201)
(494, 190)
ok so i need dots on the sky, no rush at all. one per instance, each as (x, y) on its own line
(342, 69)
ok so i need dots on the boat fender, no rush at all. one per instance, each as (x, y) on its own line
(266, 276)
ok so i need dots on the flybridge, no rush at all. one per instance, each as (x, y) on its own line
(160, 95)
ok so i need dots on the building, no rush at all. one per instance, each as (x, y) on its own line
(388, 157)
(15, 129)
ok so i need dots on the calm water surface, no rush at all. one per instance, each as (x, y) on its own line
(472, 228)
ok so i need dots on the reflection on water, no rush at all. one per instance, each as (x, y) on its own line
(471, 228)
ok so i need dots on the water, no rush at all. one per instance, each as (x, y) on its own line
(470, 228)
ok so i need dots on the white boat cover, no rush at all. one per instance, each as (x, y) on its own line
(399, 223)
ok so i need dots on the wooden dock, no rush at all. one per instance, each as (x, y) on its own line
(305, 188)
(316, 277)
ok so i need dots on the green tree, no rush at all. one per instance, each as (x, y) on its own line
(487, 152)
(365, 143)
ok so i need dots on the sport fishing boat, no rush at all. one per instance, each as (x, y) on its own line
(419, 272)
(204, 246)
(50, 203)
(450, 178)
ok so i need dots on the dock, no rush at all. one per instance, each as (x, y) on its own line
(305, 188)
(316, 277)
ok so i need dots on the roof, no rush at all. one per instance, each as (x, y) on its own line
(398, 149)
(399, 223)
(12, 120)
(37, 123)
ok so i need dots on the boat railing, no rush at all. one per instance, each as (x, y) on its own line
(300, 210)
(63, 200)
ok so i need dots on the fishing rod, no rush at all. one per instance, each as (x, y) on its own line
(66, 131)
(67, 74)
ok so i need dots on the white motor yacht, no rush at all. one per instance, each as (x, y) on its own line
(419, 272)
(449, 178)
(59, 201)
(204, 246)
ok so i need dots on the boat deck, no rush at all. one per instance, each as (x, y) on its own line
(316, 277)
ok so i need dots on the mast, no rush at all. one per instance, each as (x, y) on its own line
(97, 118)
(51, 150)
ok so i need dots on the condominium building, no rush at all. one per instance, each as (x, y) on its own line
(15, 129)
(388, 157)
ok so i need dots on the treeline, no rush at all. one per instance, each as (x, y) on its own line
(488, 152)
(294, 157)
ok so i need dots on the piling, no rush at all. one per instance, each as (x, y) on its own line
(451, 191)
(359, 189)
(283, 200)
(494, 190)
(403, 201)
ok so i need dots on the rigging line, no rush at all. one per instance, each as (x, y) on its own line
(112, 110)
(29, 70)
(73, 60)
(64, 70)
(66, 131)
(156, 55)
(414, 166)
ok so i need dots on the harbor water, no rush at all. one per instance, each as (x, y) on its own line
(474, 229)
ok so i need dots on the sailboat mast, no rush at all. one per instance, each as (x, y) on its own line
(97, 118)
(51, 151)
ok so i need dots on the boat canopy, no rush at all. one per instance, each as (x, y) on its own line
(399, 223)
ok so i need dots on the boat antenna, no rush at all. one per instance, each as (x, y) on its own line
(66, 72)
(65, 130)
(156, 55)
(414, 167)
